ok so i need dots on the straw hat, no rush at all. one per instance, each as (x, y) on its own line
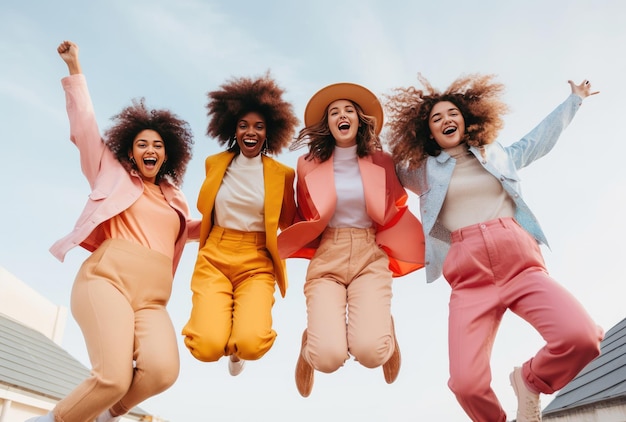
(315, 109)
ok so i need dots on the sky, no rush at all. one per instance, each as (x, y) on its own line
(174, 52)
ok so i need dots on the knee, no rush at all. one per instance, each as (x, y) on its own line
(114, 387)
(161, 378)
(589, 343)
(252, 346)
(204, 349)
(327, 359)
(467, 389)
(369, 353)
(583, 342)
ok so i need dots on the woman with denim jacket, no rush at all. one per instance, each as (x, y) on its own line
(483, 238)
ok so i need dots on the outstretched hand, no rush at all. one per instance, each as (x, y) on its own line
(583, 90)
(69, 53)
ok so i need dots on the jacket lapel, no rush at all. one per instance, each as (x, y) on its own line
(319, 182)
(215, 169)
(374, 187)
(274, 180)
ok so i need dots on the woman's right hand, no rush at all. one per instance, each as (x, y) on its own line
(69, 53)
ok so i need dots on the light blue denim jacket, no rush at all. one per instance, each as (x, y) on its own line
(430, 181)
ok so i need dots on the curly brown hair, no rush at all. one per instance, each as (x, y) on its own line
(176, 133)
(322, 143)
(477, 97)
(239, 96)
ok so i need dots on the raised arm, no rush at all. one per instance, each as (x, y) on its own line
(69, 53)
(84, 132)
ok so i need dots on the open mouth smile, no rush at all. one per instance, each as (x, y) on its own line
(344, 126)
(250, 143)
(150, 162)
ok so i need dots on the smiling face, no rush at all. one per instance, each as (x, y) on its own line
(148, 154)
(446, 124)
(251, 134)
(343, 121)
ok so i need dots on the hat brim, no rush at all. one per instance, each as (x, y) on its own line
(319, 102)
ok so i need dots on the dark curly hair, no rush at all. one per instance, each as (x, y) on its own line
(239, 96)
(322, 143)
(176, 134)
(477, 97)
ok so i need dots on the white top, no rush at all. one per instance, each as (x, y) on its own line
(350, 210)
(240, 201)
(474, 195)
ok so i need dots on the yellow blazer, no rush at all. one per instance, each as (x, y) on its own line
(398, 232)
(280, 207)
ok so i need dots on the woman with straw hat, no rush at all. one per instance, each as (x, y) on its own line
(355, 227)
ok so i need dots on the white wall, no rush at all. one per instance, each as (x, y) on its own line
(20, 302)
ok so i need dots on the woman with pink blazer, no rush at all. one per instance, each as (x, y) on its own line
(355, 227)
(136, 223)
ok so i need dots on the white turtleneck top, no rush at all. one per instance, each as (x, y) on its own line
(350, 210)
(240, 201)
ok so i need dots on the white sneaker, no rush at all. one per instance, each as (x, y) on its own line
(235, 366)
(107, 417)
(48, 417)
(528, 404)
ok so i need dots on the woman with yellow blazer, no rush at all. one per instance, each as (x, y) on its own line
(244, 200)
(355, 227)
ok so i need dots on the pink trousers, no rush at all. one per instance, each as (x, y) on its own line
(492, 267)
(348, 297)
(118, 300)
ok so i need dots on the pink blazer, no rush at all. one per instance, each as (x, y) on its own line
(398, 232)
(113, 189)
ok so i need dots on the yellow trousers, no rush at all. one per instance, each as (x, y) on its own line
(233, 294)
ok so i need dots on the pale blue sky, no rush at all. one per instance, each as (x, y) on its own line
(173, 52)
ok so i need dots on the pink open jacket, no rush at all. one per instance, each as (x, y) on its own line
(398, 232)
(113, 189)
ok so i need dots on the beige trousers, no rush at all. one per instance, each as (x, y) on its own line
(118, 300)
(348, 293)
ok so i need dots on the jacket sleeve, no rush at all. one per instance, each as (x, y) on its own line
(539, 141)
(84, 132)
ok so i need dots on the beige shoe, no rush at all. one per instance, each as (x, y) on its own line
(304, 372)
(235, 365)
(391, 368)
(528, 404)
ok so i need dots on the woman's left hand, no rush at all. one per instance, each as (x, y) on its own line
(584, 89)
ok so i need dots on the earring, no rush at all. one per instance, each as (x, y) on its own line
(132, 160)
(264, 149)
